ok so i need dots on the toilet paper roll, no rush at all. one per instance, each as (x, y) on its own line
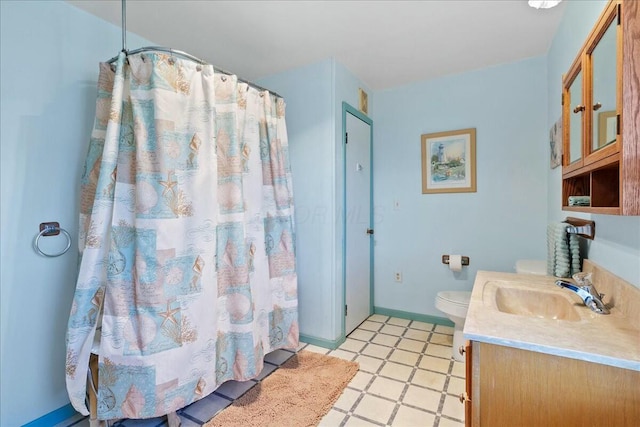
(455, 262)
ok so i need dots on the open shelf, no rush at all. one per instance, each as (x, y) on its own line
(602, 185)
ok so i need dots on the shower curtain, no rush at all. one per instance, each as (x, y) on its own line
(187, 270)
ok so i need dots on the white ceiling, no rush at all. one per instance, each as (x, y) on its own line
(384, 43)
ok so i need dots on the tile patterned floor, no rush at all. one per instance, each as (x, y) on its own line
(407, 378)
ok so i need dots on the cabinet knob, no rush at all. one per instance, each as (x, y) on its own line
(461, 350)
(597, 106)
(578, 109)
(463, 397)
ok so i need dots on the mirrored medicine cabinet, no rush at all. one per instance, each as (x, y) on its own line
(601, 118)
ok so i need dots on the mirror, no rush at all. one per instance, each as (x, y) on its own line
(576, 107)
(604, 73)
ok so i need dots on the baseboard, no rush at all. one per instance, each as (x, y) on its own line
(53, 417)
(321, 342)
(413, 316)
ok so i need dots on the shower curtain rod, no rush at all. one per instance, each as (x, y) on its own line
(184, 55)
(173, 52)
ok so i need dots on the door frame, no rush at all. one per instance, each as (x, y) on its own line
(348, 109)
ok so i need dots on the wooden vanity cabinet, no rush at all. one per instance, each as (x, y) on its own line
(601, 118)
(515, 387)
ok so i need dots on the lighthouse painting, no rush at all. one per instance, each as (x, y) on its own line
(448, 162)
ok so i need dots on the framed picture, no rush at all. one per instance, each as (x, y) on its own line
(449, 162)
(555, 143)
(364, 101)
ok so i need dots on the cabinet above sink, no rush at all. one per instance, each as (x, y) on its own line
(601, 118)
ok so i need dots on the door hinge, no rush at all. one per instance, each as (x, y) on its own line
(345, 309)
(618, 124)
(619, 19)
(346, 137)
(562, 99)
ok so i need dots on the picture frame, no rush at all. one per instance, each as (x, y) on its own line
(555, 144)
(364, 101)
(449, 161)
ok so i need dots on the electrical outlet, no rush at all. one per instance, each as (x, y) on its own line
(398, 276)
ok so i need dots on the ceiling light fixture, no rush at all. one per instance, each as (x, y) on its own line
(543, 4)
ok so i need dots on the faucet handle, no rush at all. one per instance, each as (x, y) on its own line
(582, 279)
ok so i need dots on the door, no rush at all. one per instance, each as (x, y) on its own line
(358, 219)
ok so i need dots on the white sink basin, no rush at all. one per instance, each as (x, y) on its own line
(534, 303)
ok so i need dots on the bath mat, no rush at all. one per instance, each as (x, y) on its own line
(299, 393)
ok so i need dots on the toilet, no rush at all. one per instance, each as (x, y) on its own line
(455, 303)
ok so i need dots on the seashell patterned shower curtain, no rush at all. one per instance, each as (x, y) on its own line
(187, 272)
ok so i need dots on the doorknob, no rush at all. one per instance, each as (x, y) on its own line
(369, 231)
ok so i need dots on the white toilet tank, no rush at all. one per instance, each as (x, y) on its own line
(531, 266)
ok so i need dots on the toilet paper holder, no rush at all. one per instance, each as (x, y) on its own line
(445, 260)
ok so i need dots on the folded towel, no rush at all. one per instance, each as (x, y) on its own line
(574, 249)
(563, 251)
(579, 201)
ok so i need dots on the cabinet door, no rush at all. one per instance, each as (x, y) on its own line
(573, 118)
(603, 86)
(468, 405)
(529, 389)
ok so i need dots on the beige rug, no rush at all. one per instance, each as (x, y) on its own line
(298, 393)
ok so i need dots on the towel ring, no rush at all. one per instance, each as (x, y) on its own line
(51, 229)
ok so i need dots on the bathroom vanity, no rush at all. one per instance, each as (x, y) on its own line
(537, 356)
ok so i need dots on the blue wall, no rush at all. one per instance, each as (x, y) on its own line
(616, 246)
(49, 70)
(503, 221)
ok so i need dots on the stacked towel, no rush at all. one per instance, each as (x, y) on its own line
(563, 251)
(579, 201)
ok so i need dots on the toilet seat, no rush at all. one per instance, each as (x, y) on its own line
(455, 297)
(454, 303)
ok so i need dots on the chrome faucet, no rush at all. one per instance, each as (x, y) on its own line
(586, 291)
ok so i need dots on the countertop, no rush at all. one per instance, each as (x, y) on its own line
(612, 339)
